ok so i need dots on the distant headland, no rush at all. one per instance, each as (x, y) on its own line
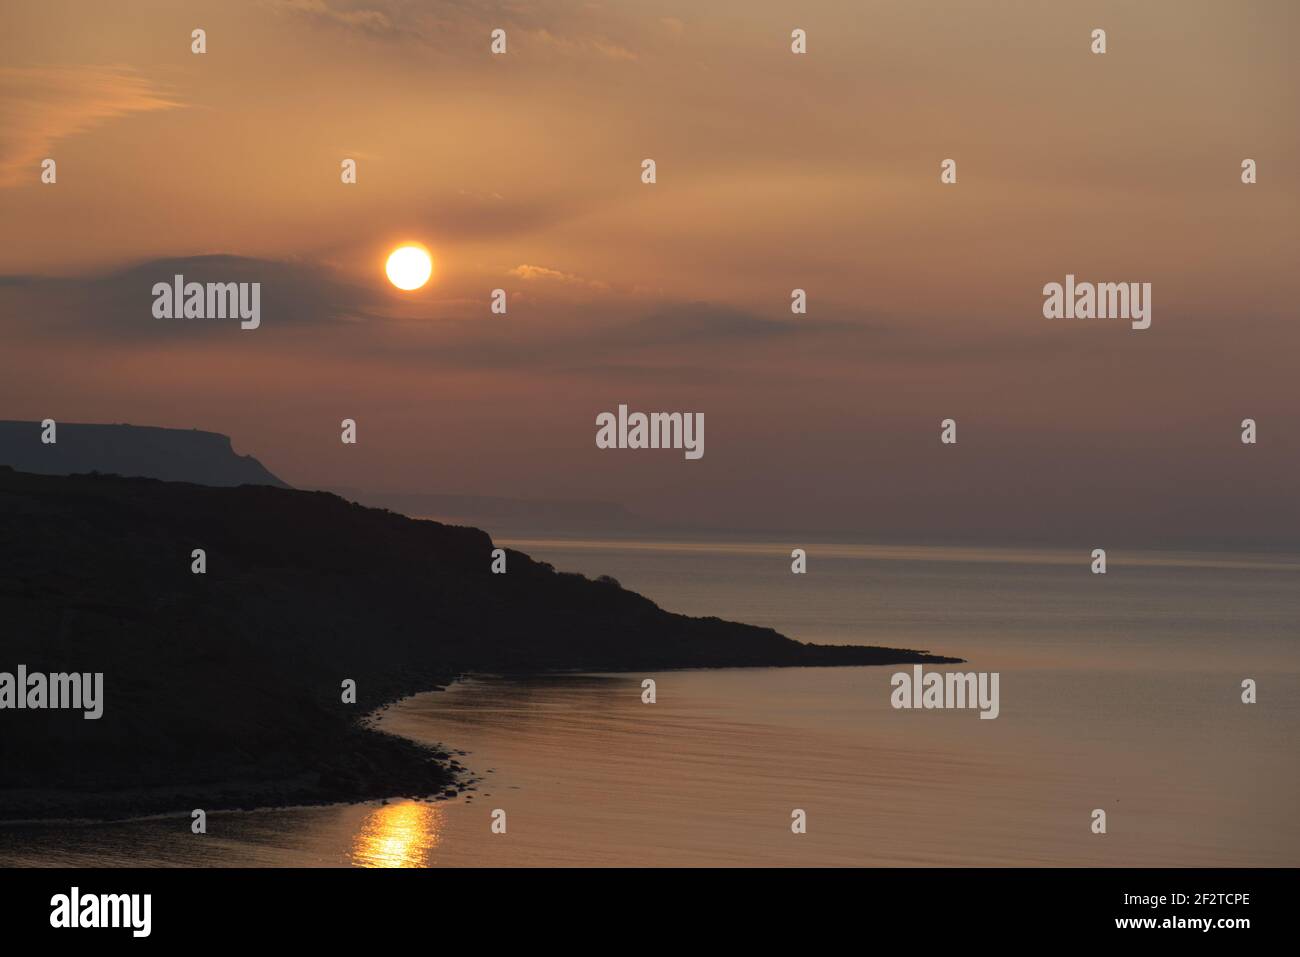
(173, 455)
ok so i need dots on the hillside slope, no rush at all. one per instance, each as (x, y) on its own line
(223, 689)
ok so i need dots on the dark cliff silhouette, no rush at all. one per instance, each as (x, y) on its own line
(173, 455)
(223, 689)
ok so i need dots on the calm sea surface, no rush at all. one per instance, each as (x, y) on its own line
(1120, 692)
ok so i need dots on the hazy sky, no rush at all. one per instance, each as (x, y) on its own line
(775, 171)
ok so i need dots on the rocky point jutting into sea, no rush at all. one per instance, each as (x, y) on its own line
(223, 689)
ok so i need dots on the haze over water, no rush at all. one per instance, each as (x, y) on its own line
(1119, 692)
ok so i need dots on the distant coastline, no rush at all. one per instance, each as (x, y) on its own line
(173, 455)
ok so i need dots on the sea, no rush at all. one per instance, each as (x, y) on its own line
(1122, 737)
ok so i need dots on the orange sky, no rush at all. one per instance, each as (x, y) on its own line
(775, 171)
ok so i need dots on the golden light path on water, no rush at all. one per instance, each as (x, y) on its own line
(398, 835)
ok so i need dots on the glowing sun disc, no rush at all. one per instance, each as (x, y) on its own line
(409, 267)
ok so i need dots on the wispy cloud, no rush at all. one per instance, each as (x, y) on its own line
(365, 18)
(532, 273)
(582, 45)
(564, 27)
(39, 106)
(117, 306)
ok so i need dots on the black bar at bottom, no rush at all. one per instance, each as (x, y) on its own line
(477, 907)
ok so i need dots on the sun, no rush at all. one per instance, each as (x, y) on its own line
(409, 266)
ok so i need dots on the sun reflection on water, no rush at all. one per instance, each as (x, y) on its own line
(398, 835)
